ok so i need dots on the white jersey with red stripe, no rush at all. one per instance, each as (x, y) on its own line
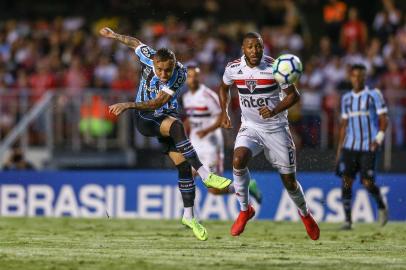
(257, 88)
(202, 108)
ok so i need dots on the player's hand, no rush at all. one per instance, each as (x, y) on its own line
(226, 122)
(118, 108)
(265, 112)
(374, 146)
(202, 133)
(106, 32)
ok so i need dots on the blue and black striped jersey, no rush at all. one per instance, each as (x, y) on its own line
(150, 85)
(362, 110)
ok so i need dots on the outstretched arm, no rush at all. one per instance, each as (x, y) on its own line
(150, 105)
(127, 40)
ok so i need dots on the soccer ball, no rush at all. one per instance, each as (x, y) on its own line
(287, 68)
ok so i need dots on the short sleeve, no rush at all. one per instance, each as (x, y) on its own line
(145, 54)
(176, 83)
(227, 77)
(344, 113)
(379, 102)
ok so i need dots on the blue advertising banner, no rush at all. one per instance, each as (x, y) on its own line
(155, 195)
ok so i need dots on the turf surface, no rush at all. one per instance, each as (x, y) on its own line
(46, 243)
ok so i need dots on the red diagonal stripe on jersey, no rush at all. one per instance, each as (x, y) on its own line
(259, 81)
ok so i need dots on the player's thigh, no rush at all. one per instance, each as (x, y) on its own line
(176, 157)
(350, 163)
(247, 145)
(166, 125)
(280, 151)
(368, 165)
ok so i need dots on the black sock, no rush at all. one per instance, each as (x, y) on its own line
(186, 184)
(347, 197)
(376, 193)
(183, 145)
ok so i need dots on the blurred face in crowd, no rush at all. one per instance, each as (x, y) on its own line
(193, 78)
(164, 69)
(357, 77)
(253, 49)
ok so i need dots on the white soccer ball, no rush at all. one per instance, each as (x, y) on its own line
(287, 68)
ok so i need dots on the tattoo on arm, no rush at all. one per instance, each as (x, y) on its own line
(127, 40)
(152, 104)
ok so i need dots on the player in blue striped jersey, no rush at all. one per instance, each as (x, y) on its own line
(363, 124)
(156, 116)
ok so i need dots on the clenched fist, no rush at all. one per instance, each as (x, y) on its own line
(106, 32)
(266, 112)
(225, 121)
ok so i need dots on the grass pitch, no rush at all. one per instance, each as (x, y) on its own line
(64, 243)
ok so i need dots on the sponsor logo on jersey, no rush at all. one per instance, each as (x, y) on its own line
(252, 102)
(180, 80)
(145, 51)
(251, 84)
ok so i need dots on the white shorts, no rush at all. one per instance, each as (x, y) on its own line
(210, 153)
(278, 146)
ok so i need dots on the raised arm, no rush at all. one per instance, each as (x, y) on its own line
(224, 94)
(127, 40)
(150, 105)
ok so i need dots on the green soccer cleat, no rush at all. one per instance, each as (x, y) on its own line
(215, 181)
(255, 191)
(199, 231)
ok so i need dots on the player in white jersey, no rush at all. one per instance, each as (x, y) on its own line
(264, 127)
(203, 112)
(202, 108)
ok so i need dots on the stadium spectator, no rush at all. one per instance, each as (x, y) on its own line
(333, 15)
(17, 161)
(353, 32)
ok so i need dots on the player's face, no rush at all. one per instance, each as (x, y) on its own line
(357, 78)
(164, 69)
(192, 80)
(253, 49)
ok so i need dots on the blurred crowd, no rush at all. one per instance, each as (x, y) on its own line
(37, 56)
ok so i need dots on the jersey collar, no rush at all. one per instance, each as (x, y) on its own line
(366, 88)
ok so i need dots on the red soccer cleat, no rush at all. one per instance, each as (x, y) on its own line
(311, 226)
(242, 219)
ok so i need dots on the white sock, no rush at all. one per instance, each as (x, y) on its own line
(241, 183)
(299, 199)
(188, 212)
(231, 189)
(203, 172)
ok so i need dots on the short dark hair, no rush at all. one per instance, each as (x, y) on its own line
(192, 66)
(251, 35)
(164, 54)
(358, 66)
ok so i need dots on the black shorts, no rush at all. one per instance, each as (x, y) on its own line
(149, 123)
(357, 161)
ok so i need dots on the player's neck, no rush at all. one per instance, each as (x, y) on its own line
(357, 90)
(193, 90)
